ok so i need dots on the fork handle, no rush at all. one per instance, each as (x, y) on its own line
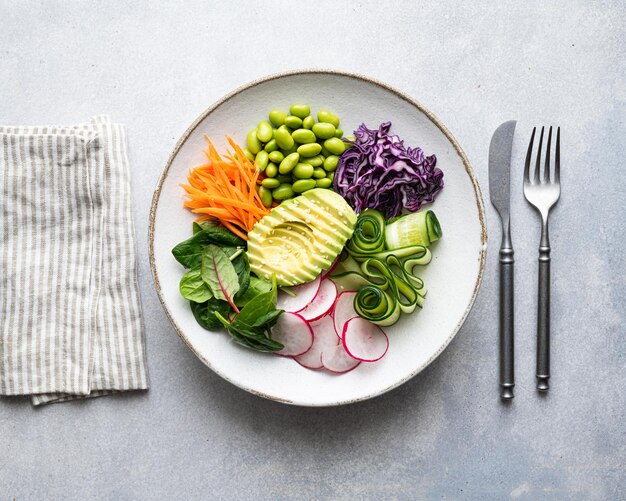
(507, 381)
(543, 320)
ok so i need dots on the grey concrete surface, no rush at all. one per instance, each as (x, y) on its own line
(444, 435)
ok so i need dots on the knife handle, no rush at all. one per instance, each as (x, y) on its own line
(507, 380)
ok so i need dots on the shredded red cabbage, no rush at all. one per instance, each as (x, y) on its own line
(379, 172)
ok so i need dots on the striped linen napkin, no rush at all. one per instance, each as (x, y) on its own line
(70, 315)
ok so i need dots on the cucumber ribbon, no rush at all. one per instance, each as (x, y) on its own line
(386, 286)
(385, 279)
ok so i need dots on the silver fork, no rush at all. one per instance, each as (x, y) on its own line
(543, 193)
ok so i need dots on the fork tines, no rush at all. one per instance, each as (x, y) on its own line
(546, 169)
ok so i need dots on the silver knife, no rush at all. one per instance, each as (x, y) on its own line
(499, 190)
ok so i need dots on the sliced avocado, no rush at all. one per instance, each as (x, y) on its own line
(301, 237)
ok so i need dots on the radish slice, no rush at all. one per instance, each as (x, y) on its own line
(337, 360)
(324, 339)
(322, 303)
(304, 295)
(326, 274)
(294, 333)
(364, 340)
(344, 310)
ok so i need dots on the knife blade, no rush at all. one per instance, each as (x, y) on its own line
(499, 191)
(500, 167)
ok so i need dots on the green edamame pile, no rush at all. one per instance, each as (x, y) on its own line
(296, 152)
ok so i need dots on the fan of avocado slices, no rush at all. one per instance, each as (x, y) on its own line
(301, 237)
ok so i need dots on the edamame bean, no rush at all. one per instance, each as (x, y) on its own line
(254, 145)
(270, 183)
(324, 130)
(330, 163)
(325, 152)
(284, 178)
(303, 171)
(338, 133)
(331, 176)
(264, 131)
(249, 154)
(283, 192)
(266, 196)
(308, 122)
(303, 136)
(303, 185)
(293, 149)
(261, 160)
(328, 117)
(323, 183)
(293, 122)
(271, 145)
(276, 157)
(309, 150)
(300, 110)
(283, 138)
(277, 117)
(315, 161)
(335, 145)
(319, 173)
(271, 170)
(288, 163)
(351, 138)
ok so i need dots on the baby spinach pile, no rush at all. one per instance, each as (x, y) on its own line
(219, 286)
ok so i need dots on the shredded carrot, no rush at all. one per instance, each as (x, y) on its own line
(225, 189)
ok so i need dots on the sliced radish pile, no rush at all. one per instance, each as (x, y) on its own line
(304, 295)
(324, 339)
(321, 330)
(337, 360)
(344, 310)
(364, 340)
(322, 303)
(294, 333)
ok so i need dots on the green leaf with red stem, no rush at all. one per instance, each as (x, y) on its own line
(219, 274)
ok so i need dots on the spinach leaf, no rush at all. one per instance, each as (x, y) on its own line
(257, 339)
(192, 286)
(256, 287)
(251, 327)
(205, 313)
(219, 274)
(242, 268)
(230, 251)
(189, 252)
(256, 308)
(218, 234)
(268, 320)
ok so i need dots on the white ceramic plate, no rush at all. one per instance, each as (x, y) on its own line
(453, 276)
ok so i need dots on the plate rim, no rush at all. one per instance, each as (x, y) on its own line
(410, 100)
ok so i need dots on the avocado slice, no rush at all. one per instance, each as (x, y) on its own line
(301, 237)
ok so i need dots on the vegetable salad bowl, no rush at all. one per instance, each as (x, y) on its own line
(453, 277)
